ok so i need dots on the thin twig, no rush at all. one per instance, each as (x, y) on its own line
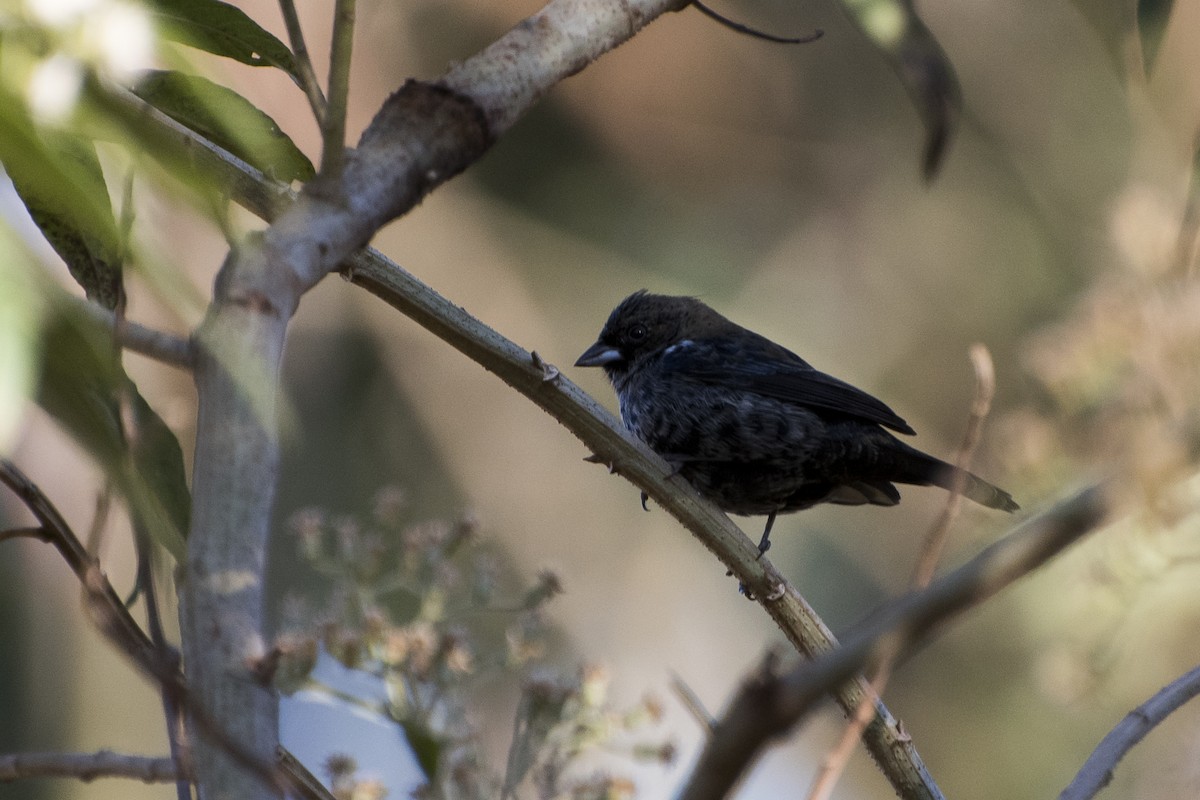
(159, 345)
(981, 406)
(692, 703)
(833, 765)
(114, 620)
(1097, 771)
(176, 729)
(333, 131)
(754, 32)
(768, 705)
(835, 762)
(306, 76)
(87, 767)
(38, 533)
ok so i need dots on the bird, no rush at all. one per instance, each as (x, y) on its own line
(752, 426)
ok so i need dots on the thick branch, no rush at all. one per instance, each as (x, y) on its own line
(423, 135)
(768, 706)
(87, 767)
(1097, 771)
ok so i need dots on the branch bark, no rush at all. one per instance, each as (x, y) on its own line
(88, 766)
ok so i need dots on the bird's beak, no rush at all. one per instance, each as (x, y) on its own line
(598, 355)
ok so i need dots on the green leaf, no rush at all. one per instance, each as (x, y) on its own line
(90, 247)
(84, 387)
(918, 58)
(228, 120)
(221, 29)
(1152, 17)
(60, 182)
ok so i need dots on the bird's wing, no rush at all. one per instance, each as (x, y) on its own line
(789, 379)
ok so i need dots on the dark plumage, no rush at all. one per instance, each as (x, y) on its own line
(749, 423)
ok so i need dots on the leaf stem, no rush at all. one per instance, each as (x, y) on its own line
(333, 129)
(306, 76)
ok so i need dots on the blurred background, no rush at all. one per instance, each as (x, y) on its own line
(782, 186)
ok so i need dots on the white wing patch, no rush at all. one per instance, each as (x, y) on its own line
(678, 346)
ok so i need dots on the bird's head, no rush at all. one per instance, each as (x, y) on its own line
(644, 325)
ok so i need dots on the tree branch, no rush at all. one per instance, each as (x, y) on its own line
(424, 134)
(834, 763)
(769, 705)
(1097, 771)
(113, 620)
(891, 748)
(159, 345)
(87, 767)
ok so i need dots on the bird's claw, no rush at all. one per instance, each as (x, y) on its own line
(645, 497)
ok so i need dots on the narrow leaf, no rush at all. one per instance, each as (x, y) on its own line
(918, 58)
(228, 120)
(83, 387)
(222, 29)
(59, 179)
(89, 247)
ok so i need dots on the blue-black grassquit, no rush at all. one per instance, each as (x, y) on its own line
(749, 423)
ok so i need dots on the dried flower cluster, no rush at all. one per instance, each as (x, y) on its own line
(428, 608)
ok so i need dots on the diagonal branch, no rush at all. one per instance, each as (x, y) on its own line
(1097, 771)
(769, 705)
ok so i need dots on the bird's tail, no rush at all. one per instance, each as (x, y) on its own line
(922, 469)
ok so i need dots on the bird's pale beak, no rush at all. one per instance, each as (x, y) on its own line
(599, 355)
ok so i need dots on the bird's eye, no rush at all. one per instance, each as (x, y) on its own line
(637, 333)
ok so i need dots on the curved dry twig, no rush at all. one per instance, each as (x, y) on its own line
(834, 763)
(1097, 771)
(738, 27)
